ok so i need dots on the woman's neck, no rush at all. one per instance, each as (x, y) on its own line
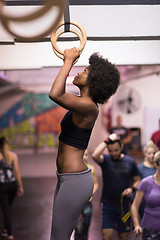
(84, 92)
(157, 178)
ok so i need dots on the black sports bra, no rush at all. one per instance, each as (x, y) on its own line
(73, 135)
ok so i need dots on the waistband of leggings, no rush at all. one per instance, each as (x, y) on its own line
(74, 173)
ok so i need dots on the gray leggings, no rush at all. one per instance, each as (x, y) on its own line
(72, 193)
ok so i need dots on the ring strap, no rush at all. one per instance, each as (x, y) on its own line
(67, 17)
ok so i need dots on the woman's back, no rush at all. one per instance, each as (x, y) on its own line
(6, 172)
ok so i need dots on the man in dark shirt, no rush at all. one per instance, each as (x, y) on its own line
(120, 176)
(123, 132)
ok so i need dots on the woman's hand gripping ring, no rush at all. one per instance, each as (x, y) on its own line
(55, 35)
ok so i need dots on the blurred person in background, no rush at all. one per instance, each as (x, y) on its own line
(120, 177)
(147, 167)
(123, 132)
(149, 189)
(156, 137)
(10, 184)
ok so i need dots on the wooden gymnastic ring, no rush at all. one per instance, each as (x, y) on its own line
(59, 52)
(55, 35)
(6, 19)
(34, 15)
(56, 49)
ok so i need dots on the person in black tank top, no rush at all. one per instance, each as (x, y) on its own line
(10, 185)
(97, 83)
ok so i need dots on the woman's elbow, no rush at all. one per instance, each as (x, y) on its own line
(53, 96)
(134, 208)
(50, 96)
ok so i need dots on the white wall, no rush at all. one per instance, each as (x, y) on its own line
(147, 116)
(99, 21)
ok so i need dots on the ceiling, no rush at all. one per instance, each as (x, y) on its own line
(126, 32)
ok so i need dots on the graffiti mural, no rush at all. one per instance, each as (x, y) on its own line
(34, 122)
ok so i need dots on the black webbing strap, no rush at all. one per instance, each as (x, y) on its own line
(67, 17)
(125, 216)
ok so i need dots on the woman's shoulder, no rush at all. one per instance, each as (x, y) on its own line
(13, 156)
(140, 165)
(146, 183)
(87, 115)
(90, 107)
(148, 179)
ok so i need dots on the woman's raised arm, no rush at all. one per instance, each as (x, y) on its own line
(57, 92)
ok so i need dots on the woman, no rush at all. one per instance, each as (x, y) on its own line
(97, 83)
(10, 183)
(149, 188)
(147, 168)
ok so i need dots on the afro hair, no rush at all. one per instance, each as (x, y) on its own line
(103, 78)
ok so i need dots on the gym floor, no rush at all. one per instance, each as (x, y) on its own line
(31, 213)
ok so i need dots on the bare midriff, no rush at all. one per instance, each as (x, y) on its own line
(70, 159)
